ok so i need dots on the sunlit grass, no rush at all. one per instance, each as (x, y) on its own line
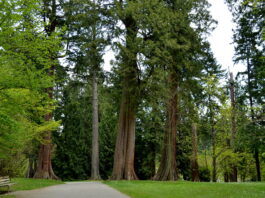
(153, 189)
(30, 184)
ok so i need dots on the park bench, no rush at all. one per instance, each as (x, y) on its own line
(5, 182)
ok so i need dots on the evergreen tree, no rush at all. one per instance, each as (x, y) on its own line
(249, 49)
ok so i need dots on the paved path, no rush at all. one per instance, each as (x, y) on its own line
(73, 190)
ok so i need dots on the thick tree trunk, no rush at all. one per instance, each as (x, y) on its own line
(95, 133)
(194, 160)
(168, 167)
(44, 166)
(125, 142)
(123, 167)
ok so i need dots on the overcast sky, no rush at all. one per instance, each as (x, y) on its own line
(221, 38)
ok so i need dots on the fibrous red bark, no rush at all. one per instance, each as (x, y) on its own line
(125, 142)
(168, 167)
(123, 167)
(44, 166)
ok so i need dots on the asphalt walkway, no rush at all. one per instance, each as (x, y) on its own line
(73, 190)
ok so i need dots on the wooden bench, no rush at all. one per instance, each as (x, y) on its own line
(5, 182)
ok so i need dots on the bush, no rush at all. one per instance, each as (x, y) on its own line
(204, 174)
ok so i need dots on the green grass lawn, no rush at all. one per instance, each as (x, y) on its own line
(30, 184)
(153, 189)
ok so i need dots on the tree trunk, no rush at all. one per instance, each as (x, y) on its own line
(257, 162)
(214, 170)
(168, 167)
(95, 133)
(125, 142)
(31, 168)
(44, 166)
(194, 160)
(123, 167)
(256, 152)
(233, 113)
(233, 174)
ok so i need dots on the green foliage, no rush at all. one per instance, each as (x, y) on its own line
(72, 154)
(73, 143)
(204, 174)
(24, 59)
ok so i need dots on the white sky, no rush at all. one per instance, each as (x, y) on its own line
(221, 38)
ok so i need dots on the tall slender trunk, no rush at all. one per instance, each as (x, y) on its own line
(214, 170)
(95, 133)
(257, 162)
(205, 159)
(233, 173)
(123, 167)
(168, 167)
(233, 113)
(194, 160)
(256, 152)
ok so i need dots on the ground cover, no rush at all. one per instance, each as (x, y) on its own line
(153, 189)
(30, 184)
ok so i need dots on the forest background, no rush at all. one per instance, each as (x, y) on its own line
(165, 111)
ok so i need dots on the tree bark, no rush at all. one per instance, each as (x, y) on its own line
(214, 170)
(194, 160)
(168, 167)
(125, 142)
(44, 166)
(95, 133)
(257, 162)
(233, 174)
(256, 152)
(233, 113)
(123, 167)
(31, 168)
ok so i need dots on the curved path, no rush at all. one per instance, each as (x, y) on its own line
(73, 190)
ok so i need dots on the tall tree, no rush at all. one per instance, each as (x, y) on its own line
(51, 22)
(233, 175)
(181, 63)
(194, 160)
(24, 55)
(249, 49)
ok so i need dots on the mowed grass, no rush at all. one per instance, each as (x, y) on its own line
(154, 189)
(29, 184)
